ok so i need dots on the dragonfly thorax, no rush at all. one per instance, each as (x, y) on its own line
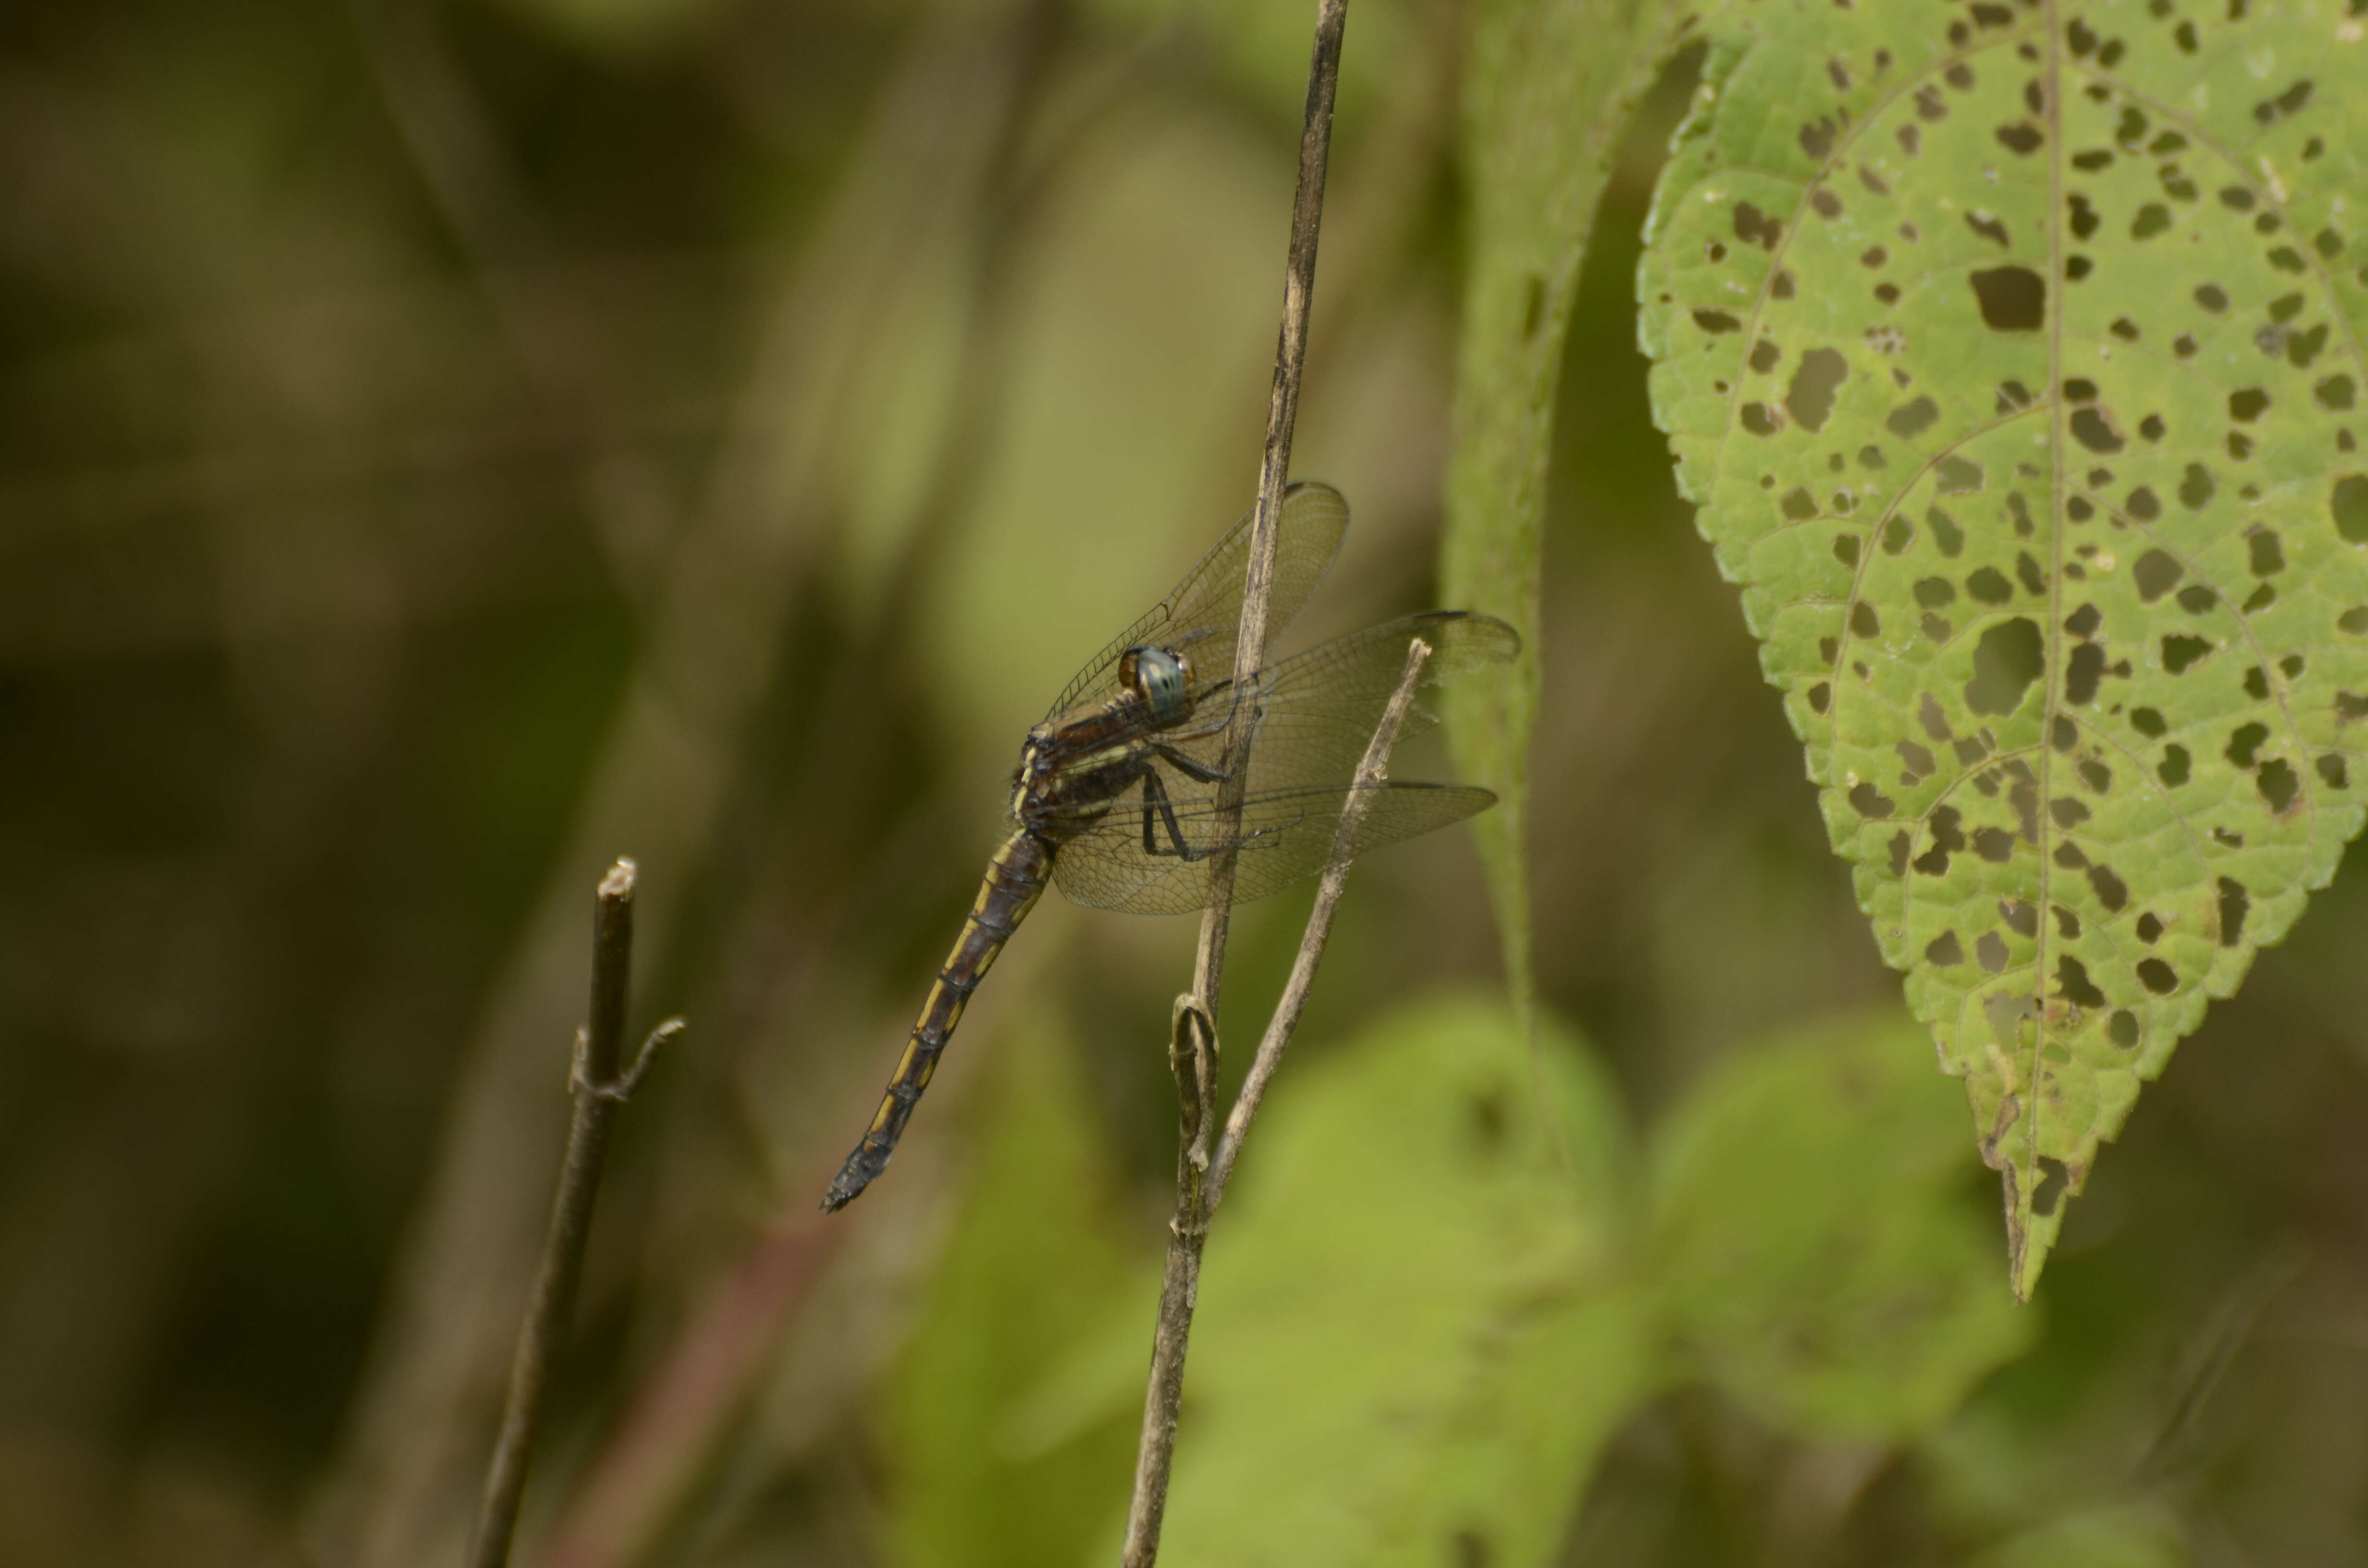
(1074, 765)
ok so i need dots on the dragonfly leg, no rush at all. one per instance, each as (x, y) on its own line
(1191, 768)
(1155, 800)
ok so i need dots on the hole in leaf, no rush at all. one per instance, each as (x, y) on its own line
(2053, 1180)
(1811, 397)
(2092, 429)
(1912, 418)
(2243, 742)
(2267, 552)
(2072, 979)
(1754, 227)
(2157, 976)
(2156, 572)
(2013, 299)
(1958, 476)
(2350, 504)
(2121, 1028)
(2279, 785)
(1946, 532)
(2234, 903)
(2009, 657)
(2082, 674)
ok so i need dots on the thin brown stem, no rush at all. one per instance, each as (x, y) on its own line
(600, 1088)
(1194, 1052)
(1371, 772)
(1181, 1288)
(1274, 470)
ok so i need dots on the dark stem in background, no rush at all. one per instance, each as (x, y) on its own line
(598, 1090)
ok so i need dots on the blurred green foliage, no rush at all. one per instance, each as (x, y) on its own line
(442, 447)
(1853, 1295)
(1031, 1267)
(1430, 1312)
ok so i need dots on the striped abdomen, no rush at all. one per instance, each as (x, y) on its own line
(1014, 879)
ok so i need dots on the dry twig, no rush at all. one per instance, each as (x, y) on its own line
(600, 1088)
(1196, 1061)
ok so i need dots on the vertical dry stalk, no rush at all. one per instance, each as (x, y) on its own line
(1274, 469)
(1181, 1286)
(599, 1088)
(1196, 1067)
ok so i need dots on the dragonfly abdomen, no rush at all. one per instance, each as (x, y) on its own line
(1014, 879)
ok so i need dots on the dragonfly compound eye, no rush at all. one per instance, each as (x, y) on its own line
(1162, 677)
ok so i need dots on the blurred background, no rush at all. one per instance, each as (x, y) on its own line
(445, 447)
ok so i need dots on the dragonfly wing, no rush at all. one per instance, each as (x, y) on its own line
(1285, 836)
(1201, 616)
(1318, 709)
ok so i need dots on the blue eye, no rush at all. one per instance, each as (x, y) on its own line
(1162, 678)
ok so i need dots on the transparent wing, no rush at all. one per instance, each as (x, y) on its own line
(1285, 837)
(1318, 712)
(1201, 616)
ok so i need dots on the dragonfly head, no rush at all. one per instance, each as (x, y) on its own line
(1162, 677)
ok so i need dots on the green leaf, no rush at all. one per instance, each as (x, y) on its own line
(1818, 1252)
(1547, 96)
(2010, 352)
(2120, 1535)
(1416, 1328)
(1030, 1266)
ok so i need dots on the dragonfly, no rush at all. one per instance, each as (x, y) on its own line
(1116, 799)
